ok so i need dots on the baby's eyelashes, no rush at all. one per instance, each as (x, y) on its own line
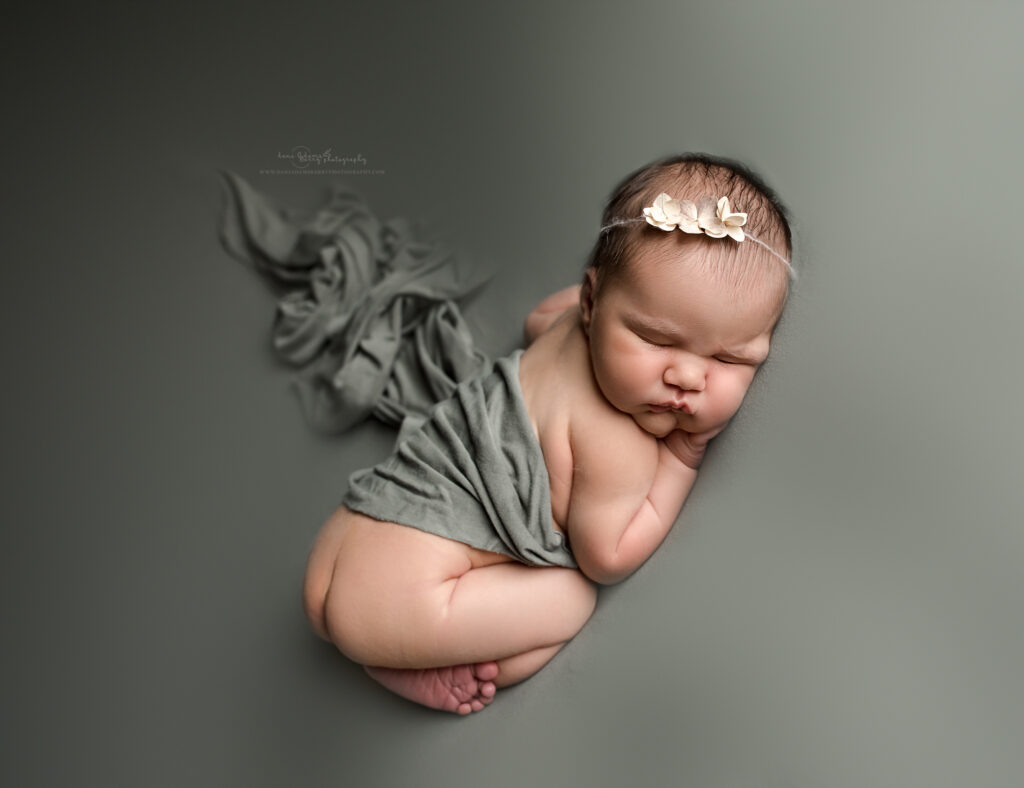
(747, 362)
(662, 342)
(653, 341)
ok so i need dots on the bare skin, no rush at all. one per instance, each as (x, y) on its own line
(458, 688)
(623, 422)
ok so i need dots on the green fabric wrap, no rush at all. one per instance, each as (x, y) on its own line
(473, 472)
(370, 313)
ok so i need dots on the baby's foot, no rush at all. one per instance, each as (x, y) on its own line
(458, 688)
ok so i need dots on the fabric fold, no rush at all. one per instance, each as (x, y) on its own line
(372, 319)
(474, 472)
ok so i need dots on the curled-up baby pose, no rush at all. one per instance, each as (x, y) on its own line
(467, 559)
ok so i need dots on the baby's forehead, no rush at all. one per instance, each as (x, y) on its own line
(743, 279)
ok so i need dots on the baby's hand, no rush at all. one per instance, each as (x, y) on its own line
(689, 447)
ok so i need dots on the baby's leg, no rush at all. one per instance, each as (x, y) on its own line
(484, 614)
(482, 624)
(435, 626)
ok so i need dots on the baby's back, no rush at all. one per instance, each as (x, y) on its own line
(563, 401)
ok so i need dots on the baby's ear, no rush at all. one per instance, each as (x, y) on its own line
(587, 295)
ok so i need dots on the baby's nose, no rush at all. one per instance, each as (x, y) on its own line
(687, 373)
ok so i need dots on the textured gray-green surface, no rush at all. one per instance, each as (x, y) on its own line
(841, 604)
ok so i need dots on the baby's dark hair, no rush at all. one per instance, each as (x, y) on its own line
(693, 176)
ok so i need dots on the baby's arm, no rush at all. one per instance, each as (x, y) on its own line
(623, 503)
(549, 310)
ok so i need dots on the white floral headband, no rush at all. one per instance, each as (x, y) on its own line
(711, 217)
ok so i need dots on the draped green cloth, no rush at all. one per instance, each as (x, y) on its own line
(371, 319)
(371, 315)
(473, 472)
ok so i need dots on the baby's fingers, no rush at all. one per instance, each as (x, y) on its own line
(689, 447)
(683, 446)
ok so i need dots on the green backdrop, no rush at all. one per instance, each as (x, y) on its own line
(840, 602)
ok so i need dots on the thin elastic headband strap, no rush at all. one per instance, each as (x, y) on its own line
(747, 236)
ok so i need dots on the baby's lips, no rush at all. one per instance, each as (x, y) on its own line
(683, 406)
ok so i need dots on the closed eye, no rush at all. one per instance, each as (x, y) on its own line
(652, 341)
(742, 362)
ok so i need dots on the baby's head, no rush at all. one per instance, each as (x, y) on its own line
(679, 321)
(748, 267)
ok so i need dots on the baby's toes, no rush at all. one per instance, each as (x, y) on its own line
(485, 671)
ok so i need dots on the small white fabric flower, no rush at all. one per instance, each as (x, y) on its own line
(665, 212)
(733, 222)
(708, 219)
(688, 218)
(718, 221)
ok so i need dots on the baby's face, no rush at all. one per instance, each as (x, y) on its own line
(674, 349)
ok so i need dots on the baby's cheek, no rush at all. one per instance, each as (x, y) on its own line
(736, 394)
(721, 400)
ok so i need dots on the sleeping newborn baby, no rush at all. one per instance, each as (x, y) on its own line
(466, 560)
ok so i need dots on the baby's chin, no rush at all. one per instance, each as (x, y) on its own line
(657, 424)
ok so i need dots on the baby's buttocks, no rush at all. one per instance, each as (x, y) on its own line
(384, 543)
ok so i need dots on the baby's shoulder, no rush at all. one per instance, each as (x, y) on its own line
(563, 397)
(552, 368)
